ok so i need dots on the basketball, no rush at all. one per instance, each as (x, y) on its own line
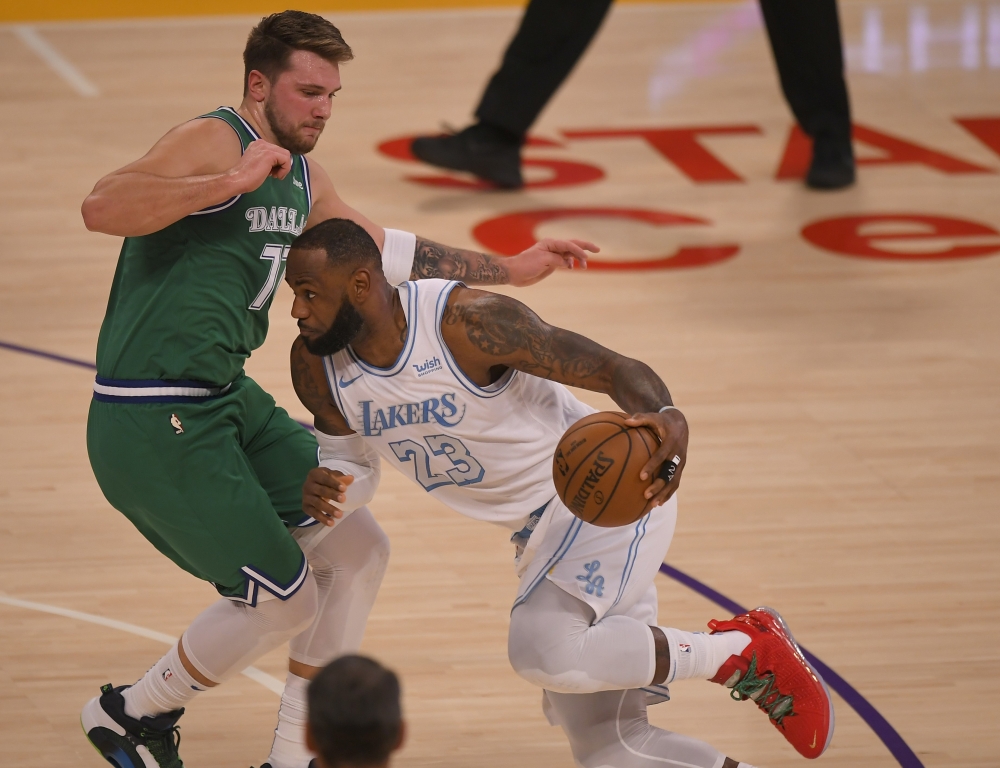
(596, 469)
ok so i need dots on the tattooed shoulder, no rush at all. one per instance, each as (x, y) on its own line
(499, 326)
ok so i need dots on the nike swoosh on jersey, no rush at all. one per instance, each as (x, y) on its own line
(346, 384)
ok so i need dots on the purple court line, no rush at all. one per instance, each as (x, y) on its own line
(892, 740)
(80, 364)
(47, 355)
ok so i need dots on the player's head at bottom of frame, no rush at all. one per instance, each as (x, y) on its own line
(355, 715)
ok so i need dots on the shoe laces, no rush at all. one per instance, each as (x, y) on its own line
(762, 689)
(163, 746)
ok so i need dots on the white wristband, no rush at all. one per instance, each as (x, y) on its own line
(668, 408)
(397, 255)
(350, 455)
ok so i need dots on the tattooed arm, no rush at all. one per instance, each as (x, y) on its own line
(488, 333)
(309, 380)
(536, 263)
(323, 487)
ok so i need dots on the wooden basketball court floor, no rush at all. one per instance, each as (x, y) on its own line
(841, 385)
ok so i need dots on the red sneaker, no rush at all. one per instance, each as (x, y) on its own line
(773, 672)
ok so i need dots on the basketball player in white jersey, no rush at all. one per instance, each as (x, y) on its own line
(462, 390)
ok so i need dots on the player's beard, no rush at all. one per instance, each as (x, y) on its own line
(346, 327)
(285, 135)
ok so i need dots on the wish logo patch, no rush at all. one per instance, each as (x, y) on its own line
(428, 366)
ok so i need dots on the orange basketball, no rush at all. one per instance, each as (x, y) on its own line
(596, 469)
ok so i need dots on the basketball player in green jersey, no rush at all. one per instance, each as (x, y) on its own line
(190, 449)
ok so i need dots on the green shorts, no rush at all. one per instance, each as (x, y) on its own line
(214, 484)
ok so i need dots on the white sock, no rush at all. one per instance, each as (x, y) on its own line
(699, 655)
(288, 750)
(165, 687)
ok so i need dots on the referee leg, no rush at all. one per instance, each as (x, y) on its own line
(806, 42)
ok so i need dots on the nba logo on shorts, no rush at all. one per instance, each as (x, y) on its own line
(684, 647)
(167, 674)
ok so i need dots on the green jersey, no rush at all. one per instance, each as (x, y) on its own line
(190, 302)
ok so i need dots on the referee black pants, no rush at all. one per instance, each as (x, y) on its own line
(804, 35)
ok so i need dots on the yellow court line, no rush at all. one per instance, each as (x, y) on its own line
(61, 10)
(257, 675)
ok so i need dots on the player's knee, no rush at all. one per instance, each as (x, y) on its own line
(543, 654)
(292, 615)
(521, 651)
(304, 605)
(377, 549)
(357, 552)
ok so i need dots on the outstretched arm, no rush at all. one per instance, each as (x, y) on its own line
(487, 332)
(526, 268)
(432, 259)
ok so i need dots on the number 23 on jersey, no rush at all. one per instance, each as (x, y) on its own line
(466, 470)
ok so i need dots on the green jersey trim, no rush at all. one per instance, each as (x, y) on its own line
(249, 129)
(233, 200)
(239, 117)
(308, 180)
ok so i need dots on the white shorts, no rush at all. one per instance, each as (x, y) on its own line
(610, 569)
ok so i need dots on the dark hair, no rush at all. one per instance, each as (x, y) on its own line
(345, 243)
(354, 712)
(272, 41)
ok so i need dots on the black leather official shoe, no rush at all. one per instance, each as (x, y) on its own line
(126, 742)
(832, 164)
(484, 151)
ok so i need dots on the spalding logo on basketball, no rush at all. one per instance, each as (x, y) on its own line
(596, 469)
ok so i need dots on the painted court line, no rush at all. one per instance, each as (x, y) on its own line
(873, 718)
(47, 355)
(56, 61)
(79, 364)
(258, 676)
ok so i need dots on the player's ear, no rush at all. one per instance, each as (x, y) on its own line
(258, 85)
(402, 737)
(361, 283)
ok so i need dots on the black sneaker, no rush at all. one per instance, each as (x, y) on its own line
(149, 742)
(312, 764)
(832, 164)
(486, 152)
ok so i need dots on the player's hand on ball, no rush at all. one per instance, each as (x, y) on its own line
(324, 488)
(545, 257)
(665, 466)
(260, 160)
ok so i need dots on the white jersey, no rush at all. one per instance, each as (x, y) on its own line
(486, 452)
